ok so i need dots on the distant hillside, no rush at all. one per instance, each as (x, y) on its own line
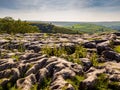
(71, 27)
(113, 25)
(50, 28)
(90, 28)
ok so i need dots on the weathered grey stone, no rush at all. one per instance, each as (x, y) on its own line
(115, 77)
(111, 55)
(28, 56)
(26, 83)
(99, 41)
(32, 67)
(86, 63)
(117, 33)
(116, 42)
(59, 83)
(37, 66)
(89, 45)
(101, 48)
(91, 78)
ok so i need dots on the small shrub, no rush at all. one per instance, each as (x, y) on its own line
(102, 83)
(11, 26)
(64, 88)
(53, 51)
(75, 81)
(45, 84)
(16, 57)
(111, 43)
(71, 58)
(80, 52)
(34, 87)
(45, 35)
(64, 52)
(21, 47)
(114, 85)
(94, 59)
(47, 50)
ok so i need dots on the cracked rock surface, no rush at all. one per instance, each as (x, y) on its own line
(23, 65)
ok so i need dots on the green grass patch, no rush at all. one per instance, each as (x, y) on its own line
(90, 28)
(16, 57)
(53, 51)
(117, 49)
(45, 84)
(102, 83)
(114, 85)
(66, 52)
(93, 59)
(75, 81)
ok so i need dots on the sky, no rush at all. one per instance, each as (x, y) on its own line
(61, 10)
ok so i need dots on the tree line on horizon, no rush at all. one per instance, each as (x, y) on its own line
(9, 25)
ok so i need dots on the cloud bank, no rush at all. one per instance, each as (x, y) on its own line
(62, 10)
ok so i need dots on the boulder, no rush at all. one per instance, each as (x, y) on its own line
(65, 73)
(88, 83)
(86, 63)
(101, 60)
(36, 48)
(89, 45)
(116, 42)
(115, 77)
(117, 33)
(99, 41)
(111, 55)
(101, 48)
(3, 41)
(112, 37)
(91, 78)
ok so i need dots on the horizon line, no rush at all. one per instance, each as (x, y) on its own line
(68, 21)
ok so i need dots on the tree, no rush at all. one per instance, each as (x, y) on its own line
(9, 25)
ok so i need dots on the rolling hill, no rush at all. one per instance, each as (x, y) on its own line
(72, 27)
(90, 28)
(114, 24)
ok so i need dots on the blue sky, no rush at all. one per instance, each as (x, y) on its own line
(61, 10)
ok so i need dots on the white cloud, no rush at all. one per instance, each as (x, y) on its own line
(68, 10)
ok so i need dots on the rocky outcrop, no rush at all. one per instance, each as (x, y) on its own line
(110, 72)
(103, 46)
(27, 82)
(91, 78)
(23, 65)
(57, 69)
(111, 55)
